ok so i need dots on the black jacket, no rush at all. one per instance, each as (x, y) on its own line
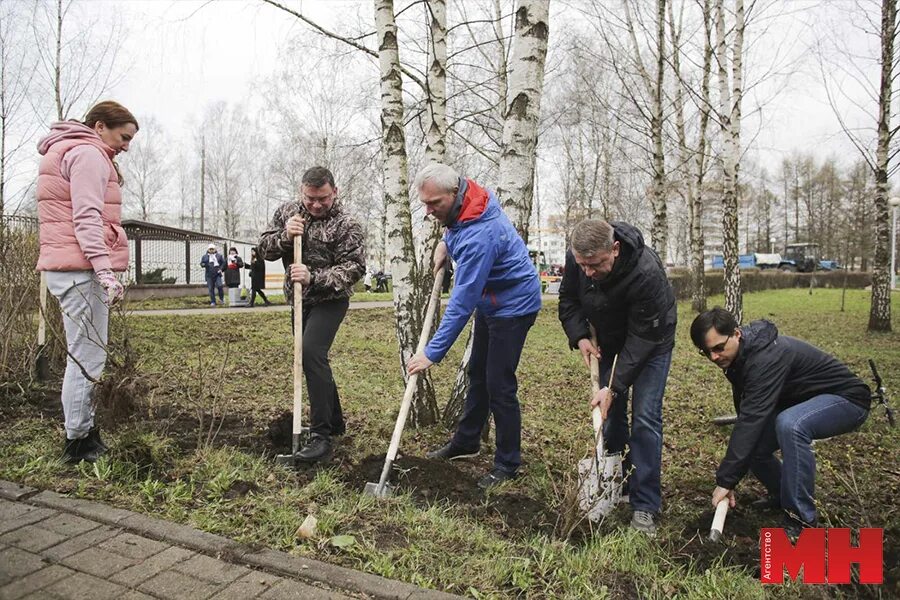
(771, 373)
(633, 309)
(257, 273)
(233, 275)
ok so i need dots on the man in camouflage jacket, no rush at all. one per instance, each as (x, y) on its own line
(333, 261)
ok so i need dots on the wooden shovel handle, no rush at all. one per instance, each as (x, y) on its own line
(298, 340)
(413, 380)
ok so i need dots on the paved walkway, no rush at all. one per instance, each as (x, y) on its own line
(57, 548)
(274, 308)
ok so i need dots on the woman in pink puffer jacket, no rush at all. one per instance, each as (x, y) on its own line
(83, 245)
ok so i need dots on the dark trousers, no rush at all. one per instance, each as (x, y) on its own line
(254, 292)
(496, 348)
(320, 326)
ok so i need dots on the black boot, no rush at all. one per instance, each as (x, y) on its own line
(88, 448)
(318, 448)
(94, 435)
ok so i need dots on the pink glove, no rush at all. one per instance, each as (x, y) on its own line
(115, 291)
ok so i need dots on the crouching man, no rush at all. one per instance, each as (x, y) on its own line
(787, 393)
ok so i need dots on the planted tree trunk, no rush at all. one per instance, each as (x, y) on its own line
(660, 229)
(880, 310)
(399, 244)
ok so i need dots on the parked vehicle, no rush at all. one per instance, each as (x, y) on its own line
(799, 258)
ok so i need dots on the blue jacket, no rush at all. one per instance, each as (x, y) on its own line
(493, 271)
(211, 271)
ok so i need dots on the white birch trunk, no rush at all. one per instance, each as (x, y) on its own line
(880, 310)
(526, 79)
(730, 120)
(399, 242)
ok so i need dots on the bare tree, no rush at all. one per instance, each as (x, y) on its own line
(517, 158)
(881, 160)
(146, 170)
(16, 74)
(77, 64)
(730, 97)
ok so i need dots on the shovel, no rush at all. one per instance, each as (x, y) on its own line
(718, 524)
(382, 489)
(298, 429)
(601, 474)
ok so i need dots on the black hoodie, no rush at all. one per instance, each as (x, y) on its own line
(771, 373)
(633, 309)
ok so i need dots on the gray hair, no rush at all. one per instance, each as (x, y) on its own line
(591, 236)
(443, 176)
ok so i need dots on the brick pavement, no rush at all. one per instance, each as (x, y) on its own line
(58, 548)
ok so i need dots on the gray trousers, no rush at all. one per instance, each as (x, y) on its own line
(86, 320)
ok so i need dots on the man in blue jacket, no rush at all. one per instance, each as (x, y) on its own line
(495, 279)
(213, 263)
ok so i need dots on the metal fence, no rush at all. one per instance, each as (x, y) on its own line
(159, 254)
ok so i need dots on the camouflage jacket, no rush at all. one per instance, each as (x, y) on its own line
(333, 251)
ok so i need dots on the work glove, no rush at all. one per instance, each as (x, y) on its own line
(115, 291)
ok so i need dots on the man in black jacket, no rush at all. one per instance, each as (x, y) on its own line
(786, 393)
(617, 284)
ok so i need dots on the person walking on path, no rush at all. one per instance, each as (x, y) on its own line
(333, 262)
(616, 284)
(787, 393)
(213, 263)
(233, 266)
(257, 269)
(82, 247)
(496, 280)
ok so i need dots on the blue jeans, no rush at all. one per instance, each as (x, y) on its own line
(496, 348)
(213, 284)
(645, 442)
(793, 431)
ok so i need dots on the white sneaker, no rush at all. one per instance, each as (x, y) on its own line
(644, 522)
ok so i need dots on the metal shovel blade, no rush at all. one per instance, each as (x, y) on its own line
(601, 485)
(372, 489)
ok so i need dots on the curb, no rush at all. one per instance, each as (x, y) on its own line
(272, 561)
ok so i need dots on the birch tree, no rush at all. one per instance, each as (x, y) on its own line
(399, 243)
(517, 158)
(729, 117)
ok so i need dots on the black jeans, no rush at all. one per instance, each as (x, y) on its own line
(320, 326)
(496, 349)
(254, 292)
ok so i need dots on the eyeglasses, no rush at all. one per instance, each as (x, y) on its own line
(718, 348)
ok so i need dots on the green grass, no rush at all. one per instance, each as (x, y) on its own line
(240, 366)
(188, 302)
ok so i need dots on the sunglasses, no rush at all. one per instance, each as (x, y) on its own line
(718, 348)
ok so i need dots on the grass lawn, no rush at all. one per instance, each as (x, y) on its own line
(199, 451)
(203, 301)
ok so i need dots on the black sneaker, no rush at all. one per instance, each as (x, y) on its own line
(495, 478)
(450, 452)
(318, 448)
(766, 503)
(794, 527)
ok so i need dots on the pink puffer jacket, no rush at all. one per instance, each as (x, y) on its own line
(79, 202)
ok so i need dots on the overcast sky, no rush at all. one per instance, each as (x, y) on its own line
(182, 55)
